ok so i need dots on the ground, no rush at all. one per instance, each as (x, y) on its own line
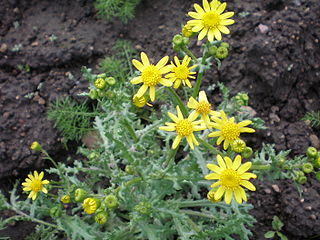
(275, 57)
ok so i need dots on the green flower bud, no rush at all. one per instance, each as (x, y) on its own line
(55, 211)
(212, 50)
(101, 217)
(65, 199)
(316, 162)
(302, 180)
(177, 40)
(129, 169)
(240, 102)
(186, 41)
(225, 44)
(238, 145)
(247, 152)
(312, 152)
(35, 146)
(101, 93)
(299, 174)
(110, 94)
(92, 155)
(176, 48)
(93, 94)
(318, 176)
(111, 201)
(143, 208)
(307, 167)
(100, 83)
(282, 161)
(80, 194)
(222, 52)
(111, 81)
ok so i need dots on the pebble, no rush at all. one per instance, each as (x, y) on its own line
(315, 142)
(275, 188)
(3, 47)
(263, 28)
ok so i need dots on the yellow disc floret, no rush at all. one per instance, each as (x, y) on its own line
(210, 20)
(184, 128)
(203, 107)
(230, 131)
(230, 178)
(182, 72)
(151, 76)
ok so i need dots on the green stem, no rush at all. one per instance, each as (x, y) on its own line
(198, 214)
(196, 87)
(189, 53)
(177, 101)
(196, 203)
(171, 156)
(209, 146)
(260, 167)
(130, 130)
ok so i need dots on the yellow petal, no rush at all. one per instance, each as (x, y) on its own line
(221, 162)
(224, 29)
(176, 142)
(194, 15)
(167, 128)
(165, 82)
(162, 62)
(194, 139)
(142, 90)
(152, 92)
(217, 34)
(206, 5)
(202, 96)
(237, 195)
(45, 182)
(177, 83)
(138, 65)
(221, 8)
(197, 28)
(192, 103)
(214, 134)
(180, 115)
(198, 8)
(247, 176)
(27, 189)
(202, 34)
(214, 168)
(193, 116)
(210, 35)
(173, 117)
(236, 162)
(244, 123)
(248, 185)
(244, 167)
(228, 196)
(136, 80)
(226, 22)
(243, 194)
(145, 59)
(219, 192)
(165, 69)
(247, 130)
(44, 190)
(226, 15)
(212, 176)
(228, 162)
(190, 142)
(188, 83)
(213, 185)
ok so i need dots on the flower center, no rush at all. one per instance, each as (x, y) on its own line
(230, 131)
(210, 20)
(203, 107)
(184, 128)
(36, 185)
(230, 178)
(151, 75)
(182, 72)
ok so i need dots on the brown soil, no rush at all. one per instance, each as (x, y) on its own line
(275, 57)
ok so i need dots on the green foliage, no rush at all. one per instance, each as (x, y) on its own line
(43, 233)
(73, 119)
(313, 117)
(276, 226)
(122, 9)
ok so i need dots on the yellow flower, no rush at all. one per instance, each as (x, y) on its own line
(210, 20)
(184, 127)
(203, 107)
(139, 101)
(34, 184)
(90, 205)
(36, 146)
(187, 31)
(151, 75)
(211, 194)
(65, 199)
(181, 72)
(229, 131)
(231, 178)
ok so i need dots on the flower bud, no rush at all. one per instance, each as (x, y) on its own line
(302, 179)
(143, 208)
(36, 146)
(316, 162)
(55, 211)
(111, 81)
(225, 44)
(102, 75)
(110, 94)
(101, 217)
(139, 101)
(186, 41)
(210, 196)
(282, 161)
(65, 199)
(222, 52)
(111, 201)
(312, 152)
(247, 152)
(100, 83)
(307, 167)
(80, 195)
(212, 50)
(177, 40)
(318, 176)
(93, 94)
(129, 169)
(186, 31)
(90, 205)
(238, 145)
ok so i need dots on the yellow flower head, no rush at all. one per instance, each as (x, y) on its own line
(139, 101)
(36, 146)
(151, 75)
(210, 20)
(34, 184)
(65, 199)
(211, 194)
(181, 72)
(203, 108)
(229, 131)
(90, 205)
(184, 127)
(187, 31)
(231, 178)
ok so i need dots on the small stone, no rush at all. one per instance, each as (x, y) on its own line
(263, 28)
(3, 47)
(41, 101)
(312, 216)
(161, 27)
(34, 44)
(267, 190)
(315, 142)
(309, 208)
(274, 118)
(275, 188)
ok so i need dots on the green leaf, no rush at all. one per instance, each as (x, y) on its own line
(276, 223)
(269, 234)
(282, 236)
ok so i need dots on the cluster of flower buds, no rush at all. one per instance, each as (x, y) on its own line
(100, 87)
(220, 50)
